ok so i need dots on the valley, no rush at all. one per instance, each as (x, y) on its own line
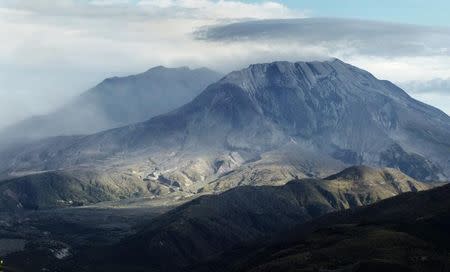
(183, 231)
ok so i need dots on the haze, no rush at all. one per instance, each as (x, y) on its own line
(54, 50)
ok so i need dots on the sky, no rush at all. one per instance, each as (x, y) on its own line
(424, 12)
(52, 51)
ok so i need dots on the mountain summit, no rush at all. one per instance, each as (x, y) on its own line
(331, 109)
(115, 102)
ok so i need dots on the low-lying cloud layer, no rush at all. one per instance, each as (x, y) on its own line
(435, 92)
(439, 86)
(53, 50)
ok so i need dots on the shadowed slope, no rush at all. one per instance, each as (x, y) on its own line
(405, 233)
(209, 225)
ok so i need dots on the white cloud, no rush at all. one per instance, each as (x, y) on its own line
(435, 92)
(350, 36)
(397, 52)
(53, 50)
(436, 85)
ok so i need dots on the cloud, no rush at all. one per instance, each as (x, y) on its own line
(154, 9)
(435, 92)
(393, 51)
(226, 10)
(437, 85)
(347, 36)
(54, 50)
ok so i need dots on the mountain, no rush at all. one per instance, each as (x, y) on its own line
(314, 117)
(408, 232)
(211, 224)
(115, 102)
(281, 123)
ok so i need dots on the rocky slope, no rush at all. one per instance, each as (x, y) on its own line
(404, 233)
(311, 117)
(116, 102)
(208, 225)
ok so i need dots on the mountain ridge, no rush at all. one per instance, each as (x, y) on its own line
(332, 108)
(404, 233)
(115, 102)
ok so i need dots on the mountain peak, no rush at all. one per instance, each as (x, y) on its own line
(116, 101)
(281, 64)
(164, 68)
(185, 69)
(290, 74)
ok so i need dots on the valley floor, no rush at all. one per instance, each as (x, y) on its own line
(36, 240)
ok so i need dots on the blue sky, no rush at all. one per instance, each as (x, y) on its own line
(434, 12)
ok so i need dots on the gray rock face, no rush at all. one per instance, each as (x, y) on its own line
(115, 102)
(333, 108)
